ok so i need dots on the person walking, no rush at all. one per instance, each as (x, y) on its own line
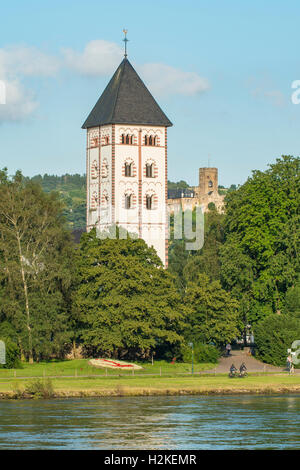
(228, 349)
(289, 363)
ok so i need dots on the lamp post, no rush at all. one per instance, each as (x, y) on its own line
(192, 346)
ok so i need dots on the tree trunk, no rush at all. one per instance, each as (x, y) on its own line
(30, 352)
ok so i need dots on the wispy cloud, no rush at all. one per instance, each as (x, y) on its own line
(17, 62)
(163, 79)
(98, 58)
(28, 61)
(264, 89)
(19, 102)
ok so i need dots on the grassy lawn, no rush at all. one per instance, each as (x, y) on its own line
(80, 367)
(172, 381)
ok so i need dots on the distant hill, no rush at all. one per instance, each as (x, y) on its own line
(72, 189)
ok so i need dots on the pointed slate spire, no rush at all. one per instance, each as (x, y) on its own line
(126, 100)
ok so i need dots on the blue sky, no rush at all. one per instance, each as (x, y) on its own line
(221, 71)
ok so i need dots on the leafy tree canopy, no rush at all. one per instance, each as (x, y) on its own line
(127, 302)
(214, 316)
(260, 256)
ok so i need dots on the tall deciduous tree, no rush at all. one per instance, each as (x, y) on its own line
(35, 252)
(260, 257)
(214, 314)
(127, 302)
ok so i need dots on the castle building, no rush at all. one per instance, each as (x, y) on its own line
(126, 161)
(202, 195)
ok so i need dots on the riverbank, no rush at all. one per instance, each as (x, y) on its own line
(156, 386)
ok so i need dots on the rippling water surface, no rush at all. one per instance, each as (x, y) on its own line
(235, 422)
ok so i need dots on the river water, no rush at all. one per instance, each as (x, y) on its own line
(152, 423)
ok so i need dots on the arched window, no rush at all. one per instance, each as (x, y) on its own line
(127, 139)
(128, 169)
(94, 169)
(94, 200)
(105, 169)
(105, 199)
(128, 201)
(150, 140)
(106, 140)
(210, 184)
(149, 170)
(148, 202)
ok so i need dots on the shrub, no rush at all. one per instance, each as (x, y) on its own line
(274, 335)
(202, 353)
(12, 355)
(40, 388)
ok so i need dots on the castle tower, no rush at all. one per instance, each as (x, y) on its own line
(127, 160)
(208, 181)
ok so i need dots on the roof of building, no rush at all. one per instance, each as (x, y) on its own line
(126, 100)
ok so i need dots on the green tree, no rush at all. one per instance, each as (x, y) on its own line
(274, 335)
(127, 302)
(213, 313)
(207, 260)
(260, 256)
(35, 259)
(292, 300)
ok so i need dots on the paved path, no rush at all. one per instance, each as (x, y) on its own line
(252, 364)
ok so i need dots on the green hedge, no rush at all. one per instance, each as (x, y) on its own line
(274, 335)
(202, 353)
(12, 355)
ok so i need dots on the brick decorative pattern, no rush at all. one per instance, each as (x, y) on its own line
(166, 199)
(113, 172)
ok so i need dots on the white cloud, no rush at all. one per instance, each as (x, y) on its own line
(163, 79)
(28, 61)
(275, 97)
(19, 104)
(98, 58)
(263, 88)
(17, 62)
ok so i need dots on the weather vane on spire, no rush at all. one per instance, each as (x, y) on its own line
(125, 31)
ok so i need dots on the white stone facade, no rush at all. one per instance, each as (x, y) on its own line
(127, 181)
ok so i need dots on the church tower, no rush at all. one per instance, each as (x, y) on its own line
(126, 160)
